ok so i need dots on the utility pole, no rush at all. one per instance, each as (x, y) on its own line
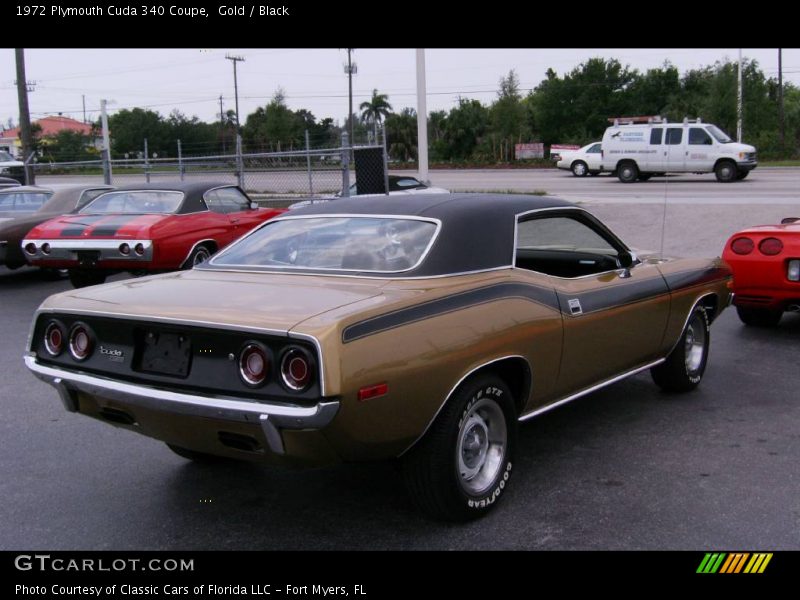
(83, 96)
(24, 116)
(235, 59)
(422, 118)
(739, 102)
(239, 160)
(222, 123)
(351, 69)
(781, 118)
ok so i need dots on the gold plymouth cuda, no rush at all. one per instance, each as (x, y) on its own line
(420, 328)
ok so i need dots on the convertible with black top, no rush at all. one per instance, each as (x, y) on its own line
(418, 328)
(144, 228)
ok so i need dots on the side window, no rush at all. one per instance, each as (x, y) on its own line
(563, 246)
(594, 149)
(232, 200)
(655, 135)
(213, 202)
(87, 196)
(699, 137)
(674, 136)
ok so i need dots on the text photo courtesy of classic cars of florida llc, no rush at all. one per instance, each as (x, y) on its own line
(290, 345)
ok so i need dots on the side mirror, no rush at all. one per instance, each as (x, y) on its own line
(253, 204)
(626, 259)
(788, 220)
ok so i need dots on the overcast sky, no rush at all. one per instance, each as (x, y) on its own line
(191, 80)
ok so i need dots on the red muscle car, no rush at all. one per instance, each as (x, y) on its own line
(144, 228)
(766, 271)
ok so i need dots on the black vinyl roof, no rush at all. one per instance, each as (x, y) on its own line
(477, 229)
(193, 192)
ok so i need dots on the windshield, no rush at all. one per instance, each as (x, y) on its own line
(353, 243)
(135, 202)
(6, 157)
(718, 134)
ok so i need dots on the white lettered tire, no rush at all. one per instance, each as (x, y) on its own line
(683, 369)
(461, 467)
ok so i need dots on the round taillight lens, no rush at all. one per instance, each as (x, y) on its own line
(296, 369)
(30, 248)
(770, 246)
(742, 245)
(254, 364)
(124, 249)
(139, 249)
(81, 342)
(54, 338)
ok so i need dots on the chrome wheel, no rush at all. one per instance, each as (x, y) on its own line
(200, 256)
(579, 169)
(695, 345)
(482, 441)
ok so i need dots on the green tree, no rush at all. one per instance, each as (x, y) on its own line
(508, 118)
(401, 135)
(274, 127)
(375, 110)
(464, 128)
(68, 146)
(130, 127)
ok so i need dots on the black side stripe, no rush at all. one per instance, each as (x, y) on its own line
(616, 295)
(684, 279)
(440, 306)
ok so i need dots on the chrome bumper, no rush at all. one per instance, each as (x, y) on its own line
(271, 417)
(68, 249)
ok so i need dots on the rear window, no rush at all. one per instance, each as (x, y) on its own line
(341, 243)
(135, 202)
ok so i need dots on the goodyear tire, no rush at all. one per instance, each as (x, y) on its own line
(80, 278)
(685, 365)
(759, 317)
(461, 467)
(726, 171)
(580, 168)
(628, 172)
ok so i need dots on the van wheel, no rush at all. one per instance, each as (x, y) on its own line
(580, 168)
(628, 172)
(725, 171)
(460, 468)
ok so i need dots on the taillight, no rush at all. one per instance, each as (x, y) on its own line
(254, 364)
(296, 369)
(770, 246)
(742, 245)
(81, 341)
(54, 338)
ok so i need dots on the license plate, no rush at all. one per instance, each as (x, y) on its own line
(166, 353)
(88, 258)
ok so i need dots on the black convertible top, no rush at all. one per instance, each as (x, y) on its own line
(477, 229)
(193, 192)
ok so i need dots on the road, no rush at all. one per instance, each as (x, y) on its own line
(628, 467)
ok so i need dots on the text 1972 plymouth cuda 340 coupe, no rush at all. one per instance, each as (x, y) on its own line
(155, 227)
(421, 328)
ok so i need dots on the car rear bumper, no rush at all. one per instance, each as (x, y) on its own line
(67, 250)
(270, 418)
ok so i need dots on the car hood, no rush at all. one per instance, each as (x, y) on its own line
(118, 226)
(269, 301)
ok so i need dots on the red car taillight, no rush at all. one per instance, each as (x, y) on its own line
(54, 338)
(742, 245)
(770, 246)
(254, 364)
(296, 369)
(81, 341)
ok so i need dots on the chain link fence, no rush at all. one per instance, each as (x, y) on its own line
(269, 177)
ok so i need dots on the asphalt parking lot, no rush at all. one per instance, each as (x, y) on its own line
(628, 467)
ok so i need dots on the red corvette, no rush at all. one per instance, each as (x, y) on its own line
(150, 228)
(766, 271)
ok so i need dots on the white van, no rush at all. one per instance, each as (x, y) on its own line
(638, 150)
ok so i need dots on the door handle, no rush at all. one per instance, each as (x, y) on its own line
(234, 220)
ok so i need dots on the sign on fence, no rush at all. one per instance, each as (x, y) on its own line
(533, 150)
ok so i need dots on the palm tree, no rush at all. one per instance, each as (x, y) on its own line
(375, 110)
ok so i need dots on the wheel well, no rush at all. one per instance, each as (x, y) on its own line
(722, 160)
(711, 304)
(516, 373)
(210, 244)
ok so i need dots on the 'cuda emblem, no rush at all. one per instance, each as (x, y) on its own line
(112, 353)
